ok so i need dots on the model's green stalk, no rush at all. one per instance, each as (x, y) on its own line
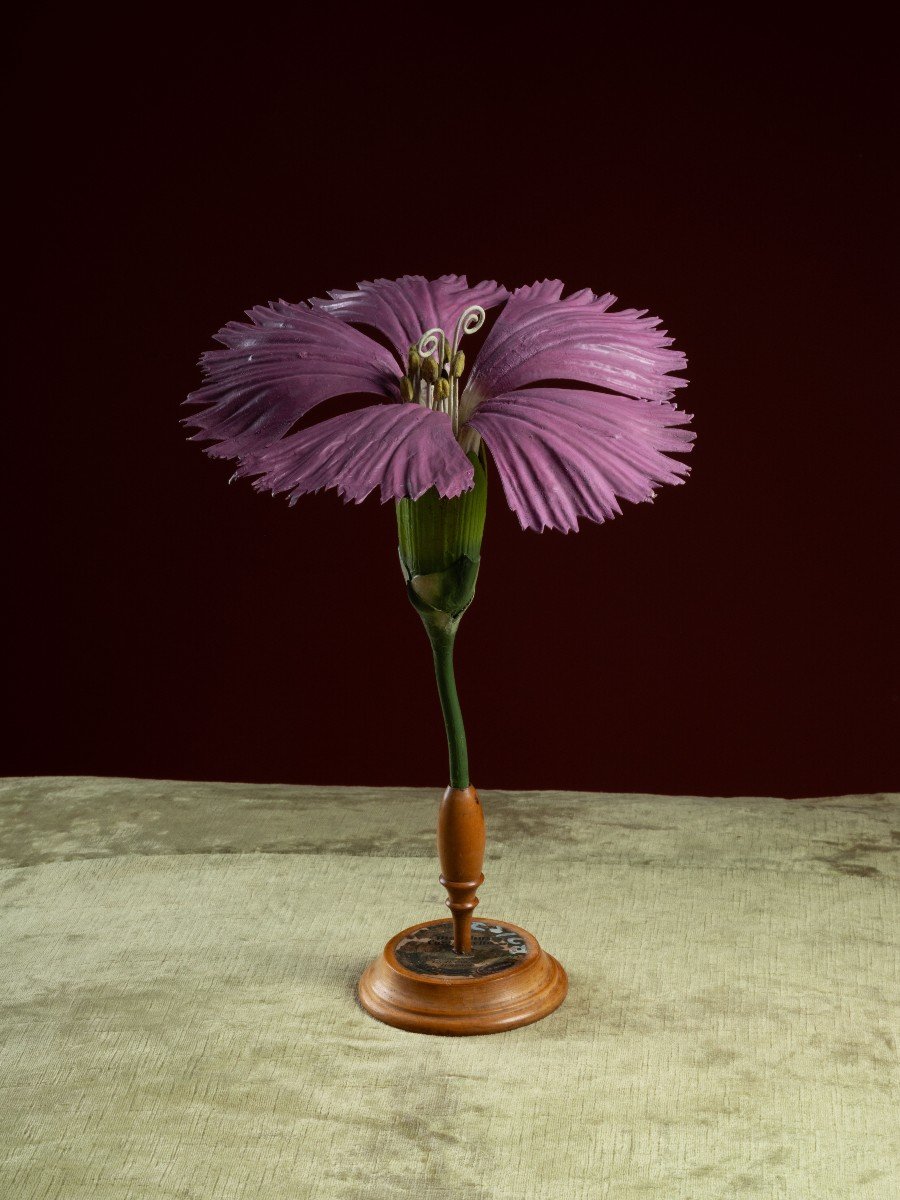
(442, 647)
(440, 551)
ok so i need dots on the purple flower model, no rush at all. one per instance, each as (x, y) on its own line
(562, 452)
(573, 402)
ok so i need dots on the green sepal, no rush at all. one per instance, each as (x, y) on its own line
(434, 533)
(440, 547)
(446, 593)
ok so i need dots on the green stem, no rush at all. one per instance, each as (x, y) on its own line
(442, 634)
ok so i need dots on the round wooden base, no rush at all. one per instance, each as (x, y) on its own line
(418, 982)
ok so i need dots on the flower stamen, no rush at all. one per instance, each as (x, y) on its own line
(435, 366)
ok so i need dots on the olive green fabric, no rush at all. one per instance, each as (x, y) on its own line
(178, 964)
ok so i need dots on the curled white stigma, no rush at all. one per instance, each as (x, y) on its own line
(431, 340)
(470, 319)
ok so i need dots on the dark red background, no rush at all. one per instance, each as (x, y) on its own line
(735, 637)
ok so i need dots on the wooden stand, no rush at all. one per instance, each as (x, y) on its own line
(461, 839)
(461, 976)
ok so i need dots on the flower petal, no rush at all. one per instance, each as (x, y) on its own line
(539, 336)
(565, 454)
(404, 449)
(403, 309)
(275, 369)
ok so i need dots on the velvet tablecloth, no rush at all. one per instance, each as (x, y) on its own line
(178, 1019)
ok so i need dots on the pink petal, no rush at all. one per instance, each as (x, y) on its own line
(275, 369)
(539, 336)
(565, 454)
(404, 449)
(403, 309)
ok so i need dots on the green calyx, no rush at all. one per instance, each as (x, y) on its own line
(440, 545)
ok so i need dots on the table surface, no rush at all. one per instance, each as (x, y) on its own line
(178, 964)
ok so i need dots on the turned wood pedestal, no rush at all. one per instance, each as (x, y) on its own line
(462, 976)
